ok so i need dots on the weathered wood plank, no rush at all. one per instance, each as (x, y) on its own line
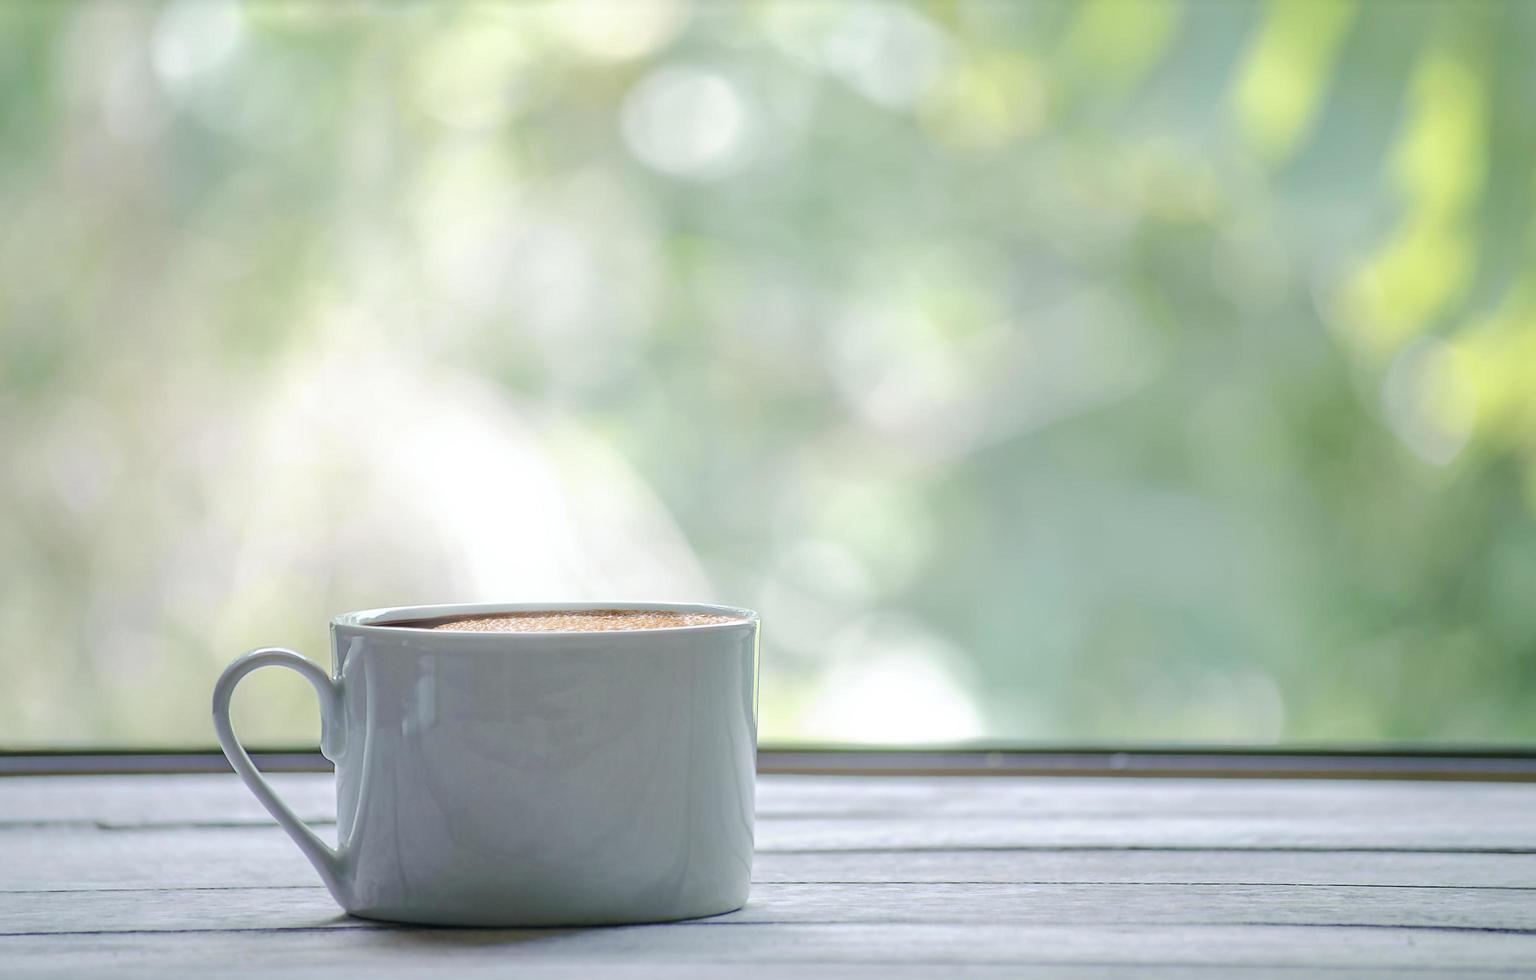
(262, 856)
(363, 950)
(522, 969)
(1409, 831)
(890, 876)
(1215, 814)
(130, 801)
(172, 800)
(850, 904)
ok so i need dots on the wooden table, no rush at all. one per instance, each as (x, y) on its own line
(855, 877)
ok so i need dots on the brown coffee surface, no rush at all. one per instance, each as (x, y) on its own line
(565, 620)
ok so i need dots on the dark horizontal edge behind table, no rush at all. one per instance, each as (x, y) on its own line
(1497, 764)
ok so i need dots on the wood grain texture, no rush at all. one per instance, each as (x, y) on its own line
(856, 877)
(811, 813)
(363, 948)
(221, 799)
(308, 907)
(261, 856)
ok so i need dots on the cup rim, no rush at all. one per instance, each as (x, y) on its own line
(371, 621)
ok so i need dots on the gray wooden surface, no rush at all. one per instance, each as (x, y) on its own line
(855, 877)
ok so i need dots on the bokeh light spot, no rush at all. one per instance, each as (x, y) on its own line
(195, 36)
(687, 122)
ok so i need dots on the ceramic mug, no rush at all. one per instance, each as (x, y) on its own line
(528, 779)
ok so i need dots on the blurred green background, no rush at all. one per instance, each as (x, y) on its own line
(1045, 372)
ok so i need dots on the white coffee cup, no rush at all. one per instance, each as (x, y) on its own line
(529, 778)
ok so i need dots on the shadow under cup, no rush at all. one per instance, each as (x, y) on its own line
(538, 778)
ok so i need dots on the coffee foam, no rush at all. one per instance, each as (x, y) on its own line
(567, 620)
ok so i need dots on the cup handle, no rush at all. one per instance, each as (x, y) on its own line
(326, 859)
